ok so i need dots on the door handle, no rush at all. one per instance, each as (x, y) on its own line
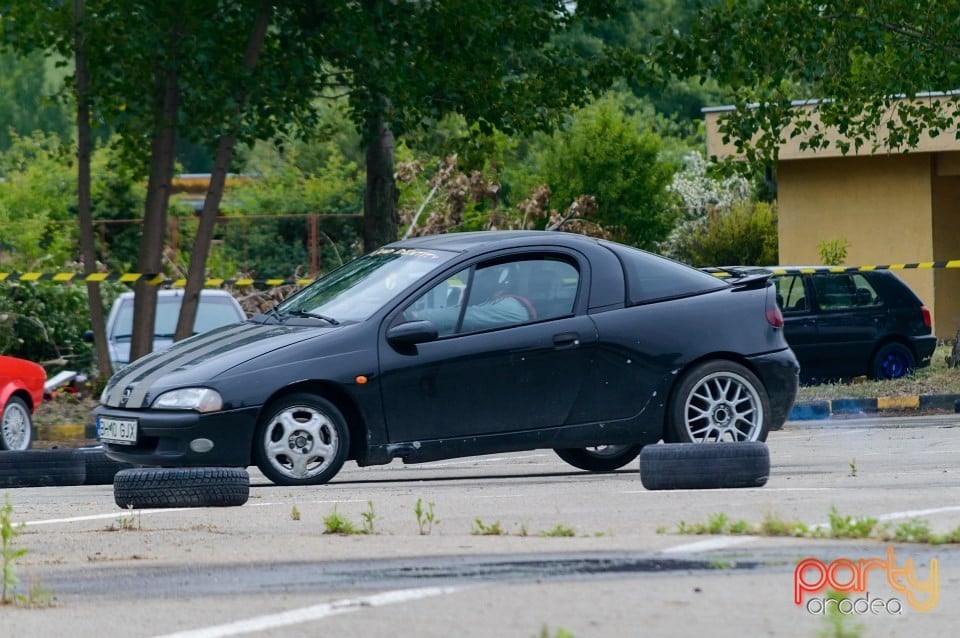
(566, 340)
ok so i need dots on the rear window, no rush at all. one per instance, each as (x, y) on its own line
(651, 277)
(212, 312)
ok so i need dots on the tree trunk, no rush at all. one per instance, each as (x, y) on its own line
(196, 272)
(85, 217)
(380, 221)
(155, 210)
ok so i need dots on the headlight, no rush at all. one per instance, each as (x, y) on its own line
(199, 399)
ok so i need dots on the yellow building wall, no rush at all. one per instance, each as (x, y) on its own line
(945, 189)
(882, 205)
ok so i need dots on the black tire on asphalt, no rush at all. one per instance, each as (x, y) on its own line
(157, 487)
(41, 468)
(704, 466)
(600, 459)
(100, 468)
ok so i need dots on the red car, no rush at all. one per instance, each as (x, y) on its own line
(21, 391)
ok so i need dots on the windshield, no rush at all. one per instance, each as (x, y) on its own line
(212, 312)
(361, 287)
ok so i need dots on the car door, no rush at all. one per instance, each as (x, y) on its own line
(848, 323)
(472, 380)
(799, 319)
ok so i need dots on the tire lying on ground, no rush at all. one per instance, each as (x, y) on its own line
(41, 468)
(148, 487)
(703, 466)
(100, 468)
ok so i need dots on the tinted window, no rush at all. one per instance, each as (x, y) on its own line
(791, 296)
(499, 294)
(651, 277)
(844, 291)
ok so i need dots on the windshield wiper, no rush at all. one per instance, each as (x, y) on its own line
(314, 315)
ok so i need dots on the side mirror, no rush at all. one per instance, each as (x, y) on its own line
(88, 336)
(412, 332)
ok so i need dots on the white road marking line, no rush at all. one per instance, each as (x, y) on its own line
(316, 612)
(740, 490)
(165, 510)
(708, 545)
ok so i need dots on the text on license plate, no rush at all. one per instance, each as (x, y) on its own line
(117, 430)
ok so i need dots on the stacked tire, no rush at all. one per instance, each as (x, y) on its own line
(700, 466)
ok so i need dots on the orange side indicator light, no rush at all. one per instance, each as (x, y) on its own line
(361, 379)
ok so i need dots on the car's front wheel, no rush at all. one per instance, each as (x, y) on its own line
(302, 440)
(16, 428)
(719, 401)
(892, 361)
(602, 458)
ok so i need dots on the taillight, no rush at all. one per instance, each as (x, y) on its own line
(775, 317)
(927, 321)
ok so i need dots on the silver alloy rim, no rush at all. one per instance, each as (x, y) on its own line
(723, 406)
(301, 442)
(16, 427)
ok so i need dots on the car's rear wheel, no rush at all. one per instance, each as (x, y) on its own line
(892, 361)
(302, 440)
(16, 427)
(602, 458)
(719, 401)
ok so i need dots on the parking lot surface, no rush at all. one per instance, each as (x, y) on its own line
(269, 569)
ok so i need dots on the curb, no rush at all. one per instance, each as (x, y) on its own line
(64, 432)
(815, 410)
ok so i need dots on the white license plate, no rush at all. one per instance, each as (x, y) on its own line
(123, 431)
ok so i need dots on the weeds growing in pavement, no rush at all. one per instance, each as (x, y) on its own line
(838, 526)
(560, 633)
(8, 553)
(336, 523)
(558, 530)
(369, 517)
(839, 625)
(482, 529)
(294, 513)
(426, 518)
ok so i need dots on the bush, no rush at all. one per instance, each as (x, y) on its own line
(745, 236)
(45, 322)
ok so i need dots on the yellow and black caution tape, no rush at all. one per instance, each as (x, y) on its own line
(790, 270)
(152, 279)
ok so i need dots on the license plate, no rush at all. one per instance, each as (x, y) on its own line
(123, 431)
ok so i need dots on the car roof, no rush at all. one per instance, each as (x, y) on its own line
(487, 239)
(178, 292)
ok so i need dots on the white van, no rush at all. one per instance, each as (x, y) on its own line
(216, 308)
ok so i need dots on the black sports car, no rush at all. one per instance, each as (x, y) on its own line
(464, 344)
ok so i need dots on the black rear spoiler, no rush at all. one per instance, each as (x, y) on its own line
(741, 276)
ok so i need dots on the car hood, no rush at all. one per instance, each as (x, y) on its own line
(201, 358)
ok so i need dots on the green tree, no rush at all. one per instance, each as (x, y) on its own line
(851, 62)
(29, 100)
(746, 235)
(615, 159)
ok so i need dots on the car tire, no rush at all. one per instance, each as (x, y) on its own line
(16, 426)
(692, 466)
(41, 468)
(302, 439)
(718, 401)
(604, 458)
(892, 361)
(100, 469)
(159, 487)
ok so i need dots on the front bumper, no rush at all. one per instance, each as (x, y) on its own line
(164, 437)
(780, 374)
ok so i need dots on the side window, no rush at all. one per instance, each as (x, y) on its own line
(790, 293)
(866, 293)
(844, 291)
(441, 304)
(499, 294)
